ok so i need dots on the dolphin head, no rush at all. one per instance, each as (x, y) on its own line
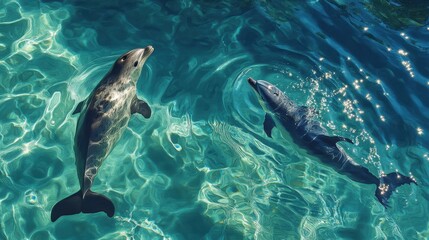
(270, 97)
(130, 64)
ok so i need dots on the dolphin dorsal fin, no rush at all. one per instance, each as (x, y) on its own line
(332, 140)
(269, 124)
(141, 107)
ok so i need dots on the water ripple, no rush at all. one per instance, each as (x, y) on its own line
(201, 166)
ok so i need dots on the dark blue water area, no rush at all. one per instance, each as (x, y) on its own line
(202, 167)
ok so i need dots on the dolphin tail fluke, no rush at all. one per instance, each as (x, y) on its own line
(68, 206)
(388, 184)
(95, 202)
(74, 204)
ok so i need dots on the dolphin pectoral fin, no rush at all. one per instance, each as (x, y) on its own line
(332, 140)
(269, 124)
(140, 106)
(79, 107)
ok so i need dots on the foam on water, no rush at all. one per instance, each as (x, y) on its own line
(201, 166)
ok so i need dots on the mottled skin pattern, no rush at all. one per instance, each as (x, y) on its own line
(297, 121)
(105, 115)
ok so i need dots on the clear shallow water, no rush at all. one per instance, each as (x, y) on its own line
(201, 166)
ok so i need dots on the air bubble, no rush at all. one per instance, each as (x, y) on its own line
(31, 198)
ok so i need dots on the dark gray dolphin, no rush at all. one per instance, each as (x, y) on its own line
(296, 120)
(104, 116)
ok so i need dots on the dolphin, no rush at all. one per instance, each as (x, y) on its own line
(103, 118)
(309, 134)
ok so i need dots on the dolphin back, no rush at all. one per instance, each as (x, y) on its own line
(75, 203)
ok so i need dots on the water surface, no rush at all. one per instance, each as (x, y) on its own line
(201, 167)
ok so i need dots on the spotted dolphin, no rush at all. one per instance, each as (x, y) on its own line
(296, 120)
(104, 116)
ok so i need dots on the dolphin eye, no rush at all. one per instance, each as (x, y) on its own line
(136, 63)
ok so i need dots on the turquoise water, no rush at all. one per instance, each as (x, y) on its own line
(201, 167)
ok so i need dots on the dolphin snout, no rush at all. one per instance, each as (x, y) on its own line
(145, 52)
(149, 48)
(252, 82)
